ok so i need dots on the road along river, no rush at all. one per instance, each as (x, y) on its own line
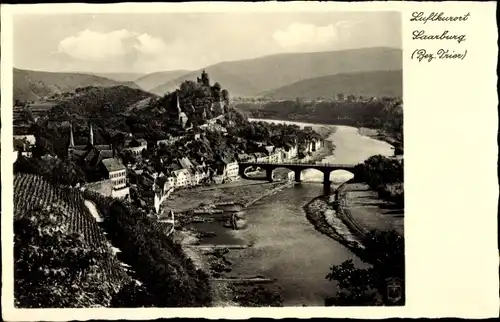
(285, 246)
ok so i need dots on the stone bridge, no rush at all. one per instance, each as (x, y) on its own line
(298, 167)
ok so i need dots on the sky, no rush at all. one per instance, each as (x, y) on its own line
(145, 43)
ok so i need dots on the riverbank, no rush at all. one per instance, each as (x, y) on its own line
(227, 290)
(353, 212)
(324, 215)
(381, 136)
(369, 211)
(244, 194)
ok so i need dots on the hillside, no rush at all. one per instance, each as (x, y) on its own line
(34, 85)
(33, 192)
(100, 102)
(254, 76)
(75, 271)
(367, 84)
(150, 81)
(36, 202)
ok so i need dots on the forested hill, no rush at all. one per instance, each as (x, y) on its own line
(254, 76)
(367, 84)
(36, 86)
(99, 102)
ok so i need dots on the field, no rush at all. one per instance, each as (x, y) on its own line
(32, 192)
(369, 211)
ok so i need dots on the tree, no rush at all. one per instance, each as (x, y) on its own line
(55, 268)
(127, 157)
(225, 95)
(205, 79)
(133, 295)
(216, 91)
(67, 173)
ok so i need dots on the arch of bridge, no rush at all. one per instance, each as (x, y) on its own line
(296, 167)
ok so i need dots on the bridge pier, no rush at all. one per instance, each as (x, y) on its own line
(269, 175)
(327, 184)
(297, 175)
(327, 188)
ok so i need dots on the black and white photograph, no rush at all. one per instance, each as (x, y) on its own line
(208, 159)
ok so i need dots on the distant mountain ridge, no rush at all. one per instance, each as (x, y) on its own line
(150, 81)
(252, 77)
(36, 85)
(120, 77)
(367, 84)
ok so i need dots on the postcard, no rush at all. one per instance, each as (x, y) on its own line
(236, 160)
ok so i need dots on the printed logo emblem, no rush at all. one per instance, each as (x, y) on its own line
(394, 290)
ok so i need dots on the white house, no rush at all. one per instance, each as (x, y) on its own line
(231, 168)
(276, 155)
(118, 175)
(291, 151)
(29, 138)
(261, 157)
(182, 178)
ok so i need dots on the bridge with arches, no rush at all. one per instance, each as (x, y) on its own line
(297, 168)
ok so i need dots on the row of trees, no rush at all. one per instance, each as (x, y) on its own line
(56, 171)
(384, 251)
(241, 137)
(386, 176)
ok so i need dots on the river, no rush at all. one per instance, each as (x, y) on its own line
(286, 247)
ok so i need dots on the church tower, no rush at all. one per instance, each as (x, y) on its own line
(91, 137)
(71, 145)
(71, 139)
(178, 105)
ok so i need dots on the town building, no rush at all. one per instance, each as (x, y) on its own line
(136, 146)
(261, 157)
(314, 145)
(89, 153)
(291, 150)
(24, 144)
(276, 155)
(168, 141)
(245, 157)
(28, 138)
(182, 178)
(230, 168)
(117, 173)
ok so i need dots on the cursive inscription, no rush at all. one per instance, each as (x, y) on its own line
(424, 55)
(439, 17)
(445, 35)
(448, 35)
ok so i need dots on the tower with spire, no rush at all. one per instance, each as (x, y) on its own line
(178, 103)
(181, 116)
(71, 139)
(91, 136)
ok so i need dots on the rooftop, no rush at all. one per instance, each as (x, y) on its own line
(113, 164)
